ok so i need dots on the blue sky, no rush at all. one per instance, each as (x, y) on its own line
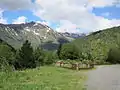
(114, 12)
(73, 16)
(10, 15)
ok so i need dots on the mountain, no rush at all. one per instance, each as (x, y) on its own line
(38, 34)
(3, 43)
(98, 44)
(74, 35)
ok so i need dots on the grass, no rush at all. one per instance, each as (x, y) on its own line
(43, 78)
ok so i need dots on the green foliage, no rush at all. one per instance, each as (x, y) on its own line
(4, 65)
(25, 57)
(45, 78)
(97, 45)
(49, 57)
(7, 52)
(39, 57)
(69, 51)
(7, 57)
(59, 51)
(114, 55)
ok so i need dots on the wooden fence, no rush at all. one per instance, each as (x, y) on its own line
(75, 66)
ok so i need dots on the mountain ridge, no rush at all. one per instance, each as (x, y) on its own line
(36, 33)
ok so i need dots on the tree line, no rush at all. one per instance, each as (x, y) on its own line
(25, 57)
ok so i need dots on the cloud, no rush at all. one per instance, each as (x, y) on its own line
(16, 4)
(2, 20)
(19, 20)
(104, 23)
(71, 14)
(103, 3)
(75, 13)
(67, 26)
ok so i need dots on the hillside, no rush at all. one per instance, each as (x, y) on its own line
(99, 43)
(3, 43)
(7, 53)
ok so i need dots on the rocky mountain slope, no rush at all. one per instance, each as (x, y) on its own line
(36, 33)
(74, 35)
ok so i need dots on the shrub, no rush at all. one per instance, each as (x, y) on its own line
(49, 58)
(69, 51)
(114, 55)
(4, 65)
(7, 52)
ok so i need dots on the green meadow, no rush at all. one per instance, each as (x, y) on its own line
(43, 78)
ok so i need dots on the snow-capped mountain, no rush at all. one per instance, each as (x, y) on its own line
(36, 33)
(74, 35)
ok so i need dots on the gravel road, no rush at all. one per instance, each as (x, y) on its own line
(104, 78)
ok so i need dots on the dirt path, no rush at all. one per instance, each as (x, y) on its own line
(104, 78)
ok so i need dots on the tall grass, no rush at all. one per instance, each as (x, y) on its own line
(43, 78)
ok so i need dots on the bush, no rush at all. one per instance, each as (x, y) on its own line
(4, 65)
(114, 56)
(7, 52)
(49, 57)
(69, 51)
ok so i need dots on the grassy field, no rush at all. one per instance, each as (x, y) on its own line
(43, 78)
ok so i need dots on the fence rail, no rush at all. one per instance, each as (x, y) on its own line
(75, 66)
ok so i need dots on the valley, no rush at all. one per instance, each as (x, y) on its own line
(59, 45)
(29, 52)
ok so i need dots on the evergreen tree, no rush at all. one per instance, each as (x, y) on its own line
(25, 56)
(39, 57)
(59, 50)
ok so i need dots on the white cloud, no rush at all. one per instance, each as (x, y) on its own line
(19, 20)
(67, 26)
(16, 4)
(106, 23)
(103, 3)
(2, 20)
(71, 14)
(75, 13)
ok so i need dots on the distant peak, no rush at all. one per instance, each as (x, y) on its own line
(32, 22)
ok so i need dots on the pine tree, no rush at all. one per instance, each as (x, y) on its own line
(25, 58)
(39, 57)
(59, 50)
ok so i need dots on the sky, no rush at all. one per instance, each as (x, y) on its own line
(74, 16)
